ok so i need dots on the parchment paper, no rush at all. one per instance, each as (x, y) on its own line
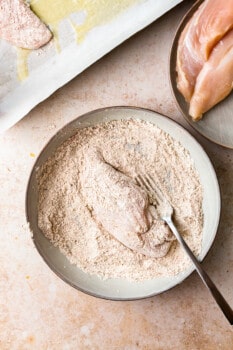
(51, 67)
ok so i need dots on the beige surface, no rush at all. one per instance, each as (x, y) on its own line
(39, 311)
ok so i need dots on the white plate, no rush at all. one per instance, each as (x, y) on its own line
(118, 289)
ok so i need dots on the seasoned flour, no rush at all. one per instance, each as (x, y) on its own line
(132, 147)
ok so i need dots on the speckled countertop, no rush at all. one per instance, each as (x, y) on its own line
(37, 309)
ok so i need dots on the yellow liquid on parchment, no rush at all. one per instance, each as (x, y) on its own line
(22, 67)
(52, 12)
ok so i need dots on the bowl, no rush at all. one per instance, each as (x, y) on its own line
(120, 289)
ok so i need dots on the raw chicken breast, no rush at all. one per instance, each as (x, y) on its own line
(209, 24)
(20, 26)
(187, 66)
(215, 80)
(121, 207)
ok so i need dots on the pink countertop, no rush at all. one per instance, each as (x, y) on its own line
(37, 309)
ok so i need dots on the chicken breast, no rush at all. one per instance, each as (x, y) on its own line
(209, 24)
(20, 26)
(187, 66)
(121, 207)
(215, 80)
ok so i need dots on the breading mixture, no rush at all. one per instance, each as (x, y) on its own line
(20, 26)
(71, 215)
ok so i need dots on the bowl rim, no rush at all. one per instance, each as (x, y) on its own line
(27, 197)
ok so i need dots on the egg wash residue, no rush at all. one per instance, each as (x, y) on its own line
(52, 12)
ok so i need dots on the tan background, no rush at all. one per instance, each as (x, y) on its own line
(37, 309)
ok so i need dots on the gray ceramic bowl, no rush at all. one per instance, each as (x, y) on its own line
(117, 289)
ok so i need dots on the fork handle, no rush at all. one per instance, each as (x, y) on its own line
(222, 303)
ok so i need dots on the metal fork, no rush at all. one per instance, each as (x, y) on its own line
(165, 210)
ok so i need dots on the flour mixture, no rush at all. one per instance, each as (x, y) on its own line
(68, 212)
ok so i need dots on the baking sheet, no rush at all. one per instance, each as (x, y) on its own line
(83, 32)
